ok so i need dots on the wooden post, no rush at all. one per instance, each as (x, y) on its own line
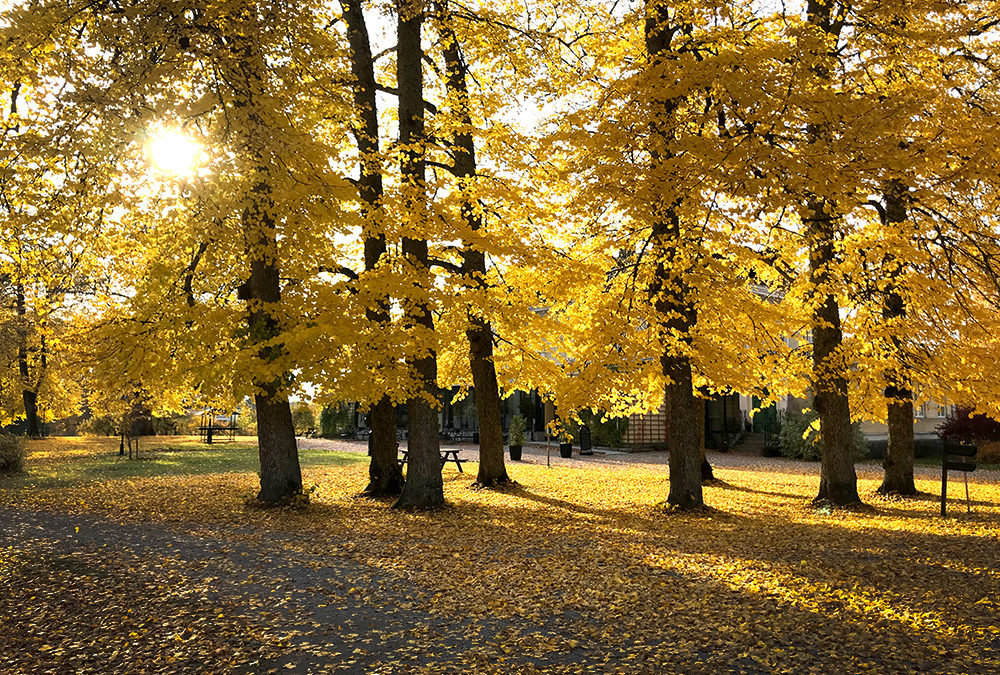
(968, 505)
(944, 483)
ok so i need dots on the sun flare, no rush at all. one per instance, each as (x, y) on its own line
(173, 152)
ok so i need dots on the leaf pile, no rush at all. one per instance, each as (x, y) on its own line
(580, 569)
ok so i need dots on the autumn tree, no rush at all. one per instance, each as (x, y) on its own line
(385, 475)
(423, 487)
(210, 281)
(473, 266)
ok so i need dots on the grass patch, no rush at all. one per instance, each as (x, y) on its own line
(64, 462)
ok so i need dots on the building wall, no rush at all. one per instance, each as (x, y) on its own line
(927, 418)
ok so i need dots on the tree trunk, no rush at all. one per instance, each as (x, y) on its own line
(898, 462)
(423, 487)
(29, 393)
(838, 481)
(385, 476)
(280, 473)
(492, 470)
(669, 291)
(384, 472)
(685, 460)
(706, 468)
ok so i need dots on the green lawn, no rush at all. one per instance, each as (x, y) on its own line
(58, 462)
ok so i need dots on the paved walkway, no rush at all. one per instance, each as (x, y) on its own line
(84, 594)
(538, 453)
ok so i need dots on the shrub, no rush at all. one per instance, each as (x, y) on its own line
(104, 425)
(605, 430)
(12, 454)
(962, 425)
(799, 437)
(334, 420)
(303, 419)
(989, 452)
(175, 425)
(516, 432)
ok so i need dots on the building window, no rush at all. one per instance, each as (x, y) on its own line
(942, 411)
(922, 410)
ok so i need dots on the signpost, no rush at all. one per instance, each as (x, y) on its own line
(586, 446)
(956, 457)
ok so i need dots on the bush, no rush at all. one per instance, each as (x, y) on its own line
(175, 425)
(989, 452)
(962, 425)
(604, 430)
(334, 421)
(796, 442)
(104, 425)
(12, 454)
(303, 419)
(516, 432)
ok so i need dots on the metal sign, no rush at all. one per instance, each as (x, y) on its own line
(956, 457)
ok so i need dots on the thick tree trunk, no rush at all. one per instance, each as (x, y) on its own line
(838, 481)
(30, 400)
(669, 291)
(423, 487)
(898, 463)
(280, 473)
(385, 477)
(685, 453)
(385, 474)
(492, 470)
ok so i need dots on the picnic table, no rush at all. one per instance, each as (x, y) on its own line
(446, 456)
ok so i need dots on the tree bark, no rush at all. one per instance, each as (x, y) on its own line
(684, 462)
(898, 463)
(423, 487)
(385, 476)
(838, 480)
(29, 391)
(492, 470)
(280, 473)
(669, 291)
(384, 473)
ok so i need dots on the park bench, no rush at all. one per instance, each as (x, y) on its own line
(446, 456)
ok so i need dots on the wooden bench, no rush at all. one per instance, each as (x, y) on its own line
(446, 456)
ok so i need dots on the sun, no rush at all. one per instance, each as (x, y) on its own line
(174, 152)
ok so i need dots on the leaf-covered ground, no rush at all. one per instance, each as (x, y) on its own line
(158, 565)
